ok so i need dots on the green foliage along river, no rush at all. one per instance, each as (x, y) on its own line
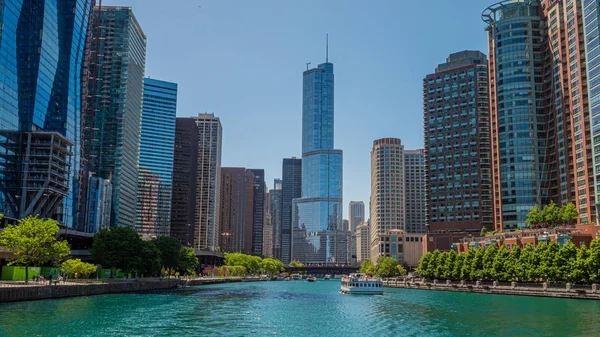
(300, 308)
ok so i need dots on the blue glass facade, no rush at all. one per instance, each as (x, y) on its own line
(42, 43)
(591, 11)
(156, 157)
(318, 236)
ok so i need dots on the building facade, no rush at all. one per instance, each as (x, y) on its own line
(388, 203)
(237, 210)
(363, 246)
(415, 191)
(276, 205)
(267, 249)
(291, 188)
(156, 158)
(356, 214)
(40, 107)
(457, 144)
(112, 123)
(259, 210)
(196, 196)
(98, 205)
(403, 247)
(318, 236)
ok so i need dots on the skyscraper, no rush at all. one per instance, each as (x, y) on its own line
(457, 136)
(540, 134)
(276, 204)
(363, 247)
(237, 210)
(156, 158)
(388, 204)
(40, 107)
(415, 192)
(113, 117)
(259, 210)
(317, 216)
(356, 214)
(267, 247)
(291, 188)
(196, 197)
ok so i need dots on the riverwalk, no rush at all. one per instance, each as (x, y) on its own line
(574, 291)
(19, 291)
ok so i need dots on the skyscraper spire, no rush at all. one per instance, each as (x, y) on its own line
(327, 48)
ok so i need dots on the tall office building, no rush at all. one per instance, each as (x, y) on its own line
(112, 122)
(237, 210)
(388, 204)
(98, 205)
(259, 210)
(267, 247)
(415, 192)
(291, 188)
(363, 247)
(40, 107)
(317, 216)
(156, 158)
(457, 144)
(539, 123)
(196, 197)
(356, 214)
(276, 204)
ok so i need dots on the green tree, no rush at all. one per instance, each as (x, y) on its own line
(271, 266)
(251, 263)
(477, 264)
(76, 266)
(593, 262)
(579, 268)
(401, 270)
(489, 256)
(432, 266)
(367, 267)
(569, 213)
(465, 272)
(118, 248)
(148, 261)
(483, 231)
(170, 252)
(535, 216)
(512, 265)
(33, 242)
(440, 265)
(564, 260)
(450, 262)
(498, 265)
(457, 268)
(423, 266)
(188, 261)
(552, 214)
(387, 266)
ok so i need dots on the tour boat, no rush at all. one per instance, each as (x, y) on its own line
(361, 284)
(311, 279)
(327, 277)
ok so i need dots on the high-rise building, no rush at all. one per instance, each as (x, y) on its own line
(267, 246)
(388, 204)
(196, 197)
(540, 136)
(112, 121)
(318, 236)
(356, 214)
(237, 210)
(276, 204)
(345, 224)
(259, 210)
(40, 107)
(291, 188)
(156, 158)
(98, 205)
(457, 144)
(363, 247)
(415, 192)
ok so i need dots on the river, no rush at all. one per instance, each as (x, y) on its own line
(300, 308)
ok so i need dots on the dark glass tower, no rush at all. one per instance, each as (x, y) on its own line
(259, 210)
(291, 188)
(317, 216)
(41, 51)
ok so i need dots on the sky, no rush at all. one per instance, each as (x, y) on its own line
(243, 61)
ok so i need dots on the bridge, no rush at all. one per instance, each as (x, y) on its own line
(321, 270)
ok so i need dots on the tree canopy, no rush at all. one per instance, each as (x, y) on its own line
(76, 266)
(551, 215)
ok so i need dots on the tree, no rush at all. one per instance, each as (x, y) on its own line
(170, 252)
(498, 264)
(386, 266)
(401, 270)
(367, 267)
(188, 261)
(117, 248)
(33, 242)
(483, 231)
(552, 214)
(149, 259)
(489, 256)
(423, 266)
(535, 216)
(251, 263)
(271, 266)
(569, 213)
(450, 262)
(76, 266)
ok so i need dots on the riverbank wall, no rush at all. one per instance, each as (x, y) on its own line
(16, 293)
(571, 291)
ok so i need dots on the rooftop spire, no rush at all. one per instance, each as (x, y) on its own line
(327, 48)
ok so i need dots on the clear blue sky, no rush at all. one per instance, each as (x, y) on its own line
(243, 60)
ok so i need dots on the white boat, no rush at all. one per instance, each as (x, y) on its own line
(327, 277)
(361, 284)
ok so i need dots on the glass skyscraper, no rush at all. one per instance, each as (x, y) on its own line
(318, 236)
(291, 188)
(112, 122)
(41, 50)
(156, 157)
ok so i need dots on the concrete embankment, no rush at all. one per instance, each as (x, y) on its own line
(540, 290)
(17, 293)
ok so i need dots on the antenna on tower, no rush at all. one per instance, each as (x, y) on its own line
(307, 64)
(327, 49)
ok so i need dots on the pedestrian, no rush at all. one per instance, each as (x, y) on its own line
(50, 279)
